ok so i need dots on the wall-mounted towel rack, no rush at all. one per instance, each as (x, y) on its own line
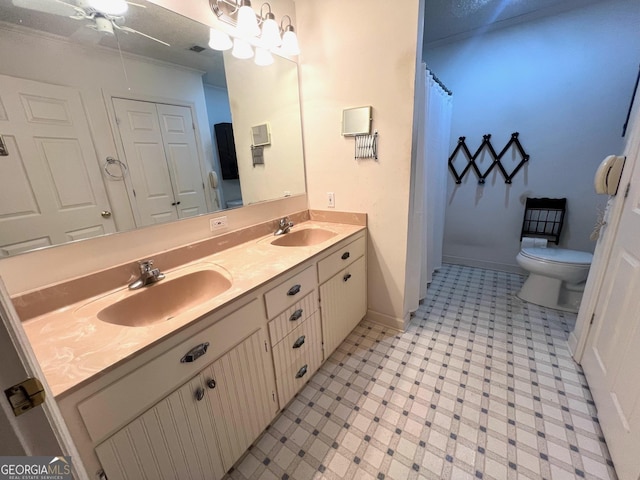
(486, 145)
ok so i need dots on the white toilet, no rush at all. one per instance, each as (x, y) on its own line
(556, 277)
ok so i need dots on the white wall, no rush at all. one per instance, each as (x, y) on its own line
(98, 73)
(356, 53)
(218, 110)
(565, 84)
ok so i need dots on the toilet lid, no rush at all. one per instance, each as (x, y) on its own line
(558, 255)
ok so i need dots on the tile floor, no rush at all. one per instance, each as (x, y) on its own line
(481, 385)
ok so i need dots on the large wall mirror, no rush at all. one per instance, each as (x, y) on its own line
(106, 130)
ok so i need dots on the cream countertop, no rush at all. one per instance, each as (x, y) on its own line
(72, 345)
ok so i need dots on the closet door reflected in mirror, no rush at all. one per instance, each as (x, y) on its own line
(166, 174)
(51, 190)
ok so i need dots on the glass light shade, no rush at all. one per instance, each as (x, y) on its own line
(110, 7)
(247, 22)
(241, 49)
(290, 42)
(263, 57)
(219, 40)
(270, 34)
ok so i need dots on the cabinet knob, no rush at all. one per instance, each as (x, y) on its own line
(346, 277)
(345, 255)
(211, 383)
(299, 342)
(296, 315)
(294, 290)
(199, 393)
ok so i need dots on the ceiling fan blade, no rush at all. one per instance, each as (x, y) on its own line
(131, 30)
(54, 7)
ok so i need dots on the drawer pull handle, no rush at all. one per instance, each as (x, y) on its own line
(195, 353)
(346, 277)
(345, 255)
(299, 342)
(211, 383)
(199, 393)
(294, 290)
(297, 315)
(301, 373)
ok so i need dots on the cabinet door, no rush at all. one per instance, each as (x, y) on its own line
(343, 303)
(173, 440)
(243, 401)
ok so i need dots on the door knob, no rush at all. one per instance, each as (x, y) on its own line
(105, 213)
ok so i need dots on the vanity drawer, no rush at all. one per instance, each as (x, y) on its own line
(117, 404)
(290, 291)
(292, 317)
(295, 366)
(329, 266)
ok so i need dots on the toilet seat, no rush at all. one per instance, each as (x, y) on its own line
(558, 256)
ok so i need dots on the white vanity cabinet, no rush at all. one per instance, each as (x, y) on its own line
(155, 416)
(200, 430)
(296, 340)
(343, 292)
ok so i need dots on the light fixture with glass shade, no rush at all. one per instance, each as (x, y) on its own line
(289, 38)
(260, 31)
(263, 57)
(109, 7)
(270, 35)
(247, 22)
(219, 40)
(241, 49)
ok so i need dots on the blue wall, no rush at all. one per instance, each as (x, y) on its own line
(563, 82)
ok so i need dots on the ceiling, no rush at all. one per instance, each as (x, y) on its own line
(452, 20)
(180, 32)
(445, 21)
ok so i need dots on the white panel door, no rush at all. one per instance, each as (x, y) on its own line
(242, 402)
(175, 439)
(51, 188)
(143, 145)
(612, 356)
(178, 133)
(343, 303)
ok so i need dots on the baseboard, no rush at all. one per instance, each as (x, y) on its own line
(387, 320)
(472, 262)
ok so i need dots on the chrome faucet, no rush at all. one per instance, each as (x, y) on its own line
(148, 275)
(284, 226)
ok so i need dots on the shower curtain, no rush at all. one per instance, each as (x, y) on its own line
(429, 185)
(437, 132)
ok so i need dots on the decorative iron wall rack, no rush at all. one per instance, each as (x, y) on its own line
(486, 145)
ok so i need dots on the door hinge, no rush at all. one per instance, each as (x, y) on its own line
(193, 125)
(134, 192)
(25, 395)
(117, 121)
(593, 316)
(626, 191)
(265, 346)
(273, 396)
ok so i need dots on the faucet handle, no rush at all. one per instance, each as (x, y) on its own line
(284, 221)
(145, 265)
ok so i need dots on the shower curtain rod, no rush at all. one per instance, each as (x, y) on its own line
(438, 81)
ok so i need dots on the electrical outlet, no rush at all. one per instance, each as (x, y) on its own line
(331, 200)
(218, 223)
